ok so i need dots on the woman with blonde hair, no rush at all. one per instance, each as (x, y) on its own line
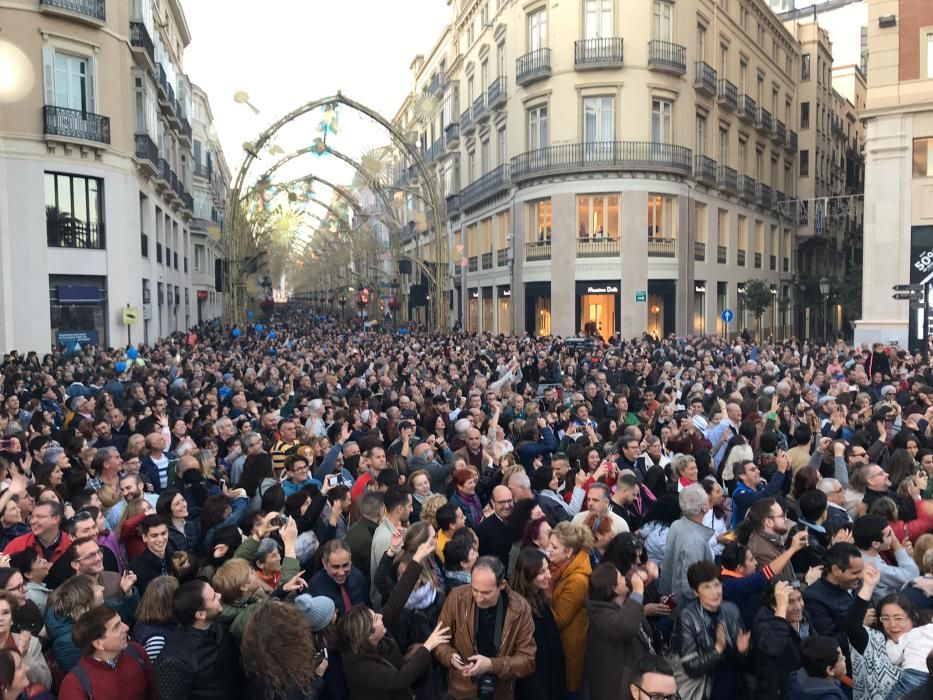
(569, 553)
(67, 603)
(430, 507)
(281, 666)
(154, 616)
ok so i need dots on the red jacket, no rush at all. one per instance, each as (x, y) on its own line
(29, 541)
(128, 681)
(130, 538)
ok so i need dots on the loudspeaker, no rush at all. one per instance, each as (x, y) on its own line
(404, 267)
(417, 295)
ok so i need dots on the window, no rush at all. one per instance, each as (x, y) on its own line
(759, 165)
(804, 163)
(537, 30)
(597, 19)
(743, 17)
(74, 211)
(471, 166)
(471, 92)
(598, 216)
(723, 61)
(69, 80)
(484, 157)
(661, 111)
(930, 55)
(146, 107)
(743, 77)
(701, 42)
(760, 92)
(743, 156)
(541, 219)
(662, 20)
(470, 34)
(502, 151)
(805, 67)
(660, 216)
(723, 146)
(701, 135)
(598, 119)
(500, 60)
(199, 258)
(804, 115)
(923, 157)
(484, 75)
(537, 127)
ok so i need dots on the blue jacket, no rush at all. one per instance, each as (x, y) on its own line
(828, 606)
(802, 686)
(743, 497)
(528, 451)
(357, 588)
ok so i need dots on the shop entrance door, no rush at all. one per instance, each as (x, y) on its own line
(598, 314)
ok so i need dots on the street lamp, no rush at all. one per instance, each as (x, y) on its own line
(824, 291)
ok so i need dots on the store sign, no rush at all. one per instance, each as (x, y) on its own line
(641, 297)
(608, 289)
(506, 292)
(202, 294)
(85, 337)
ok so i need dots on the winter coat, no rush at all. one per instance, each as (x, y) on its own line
(776, 648)
(571, 590)
(803, 686)
(618, 638)
(549, 679)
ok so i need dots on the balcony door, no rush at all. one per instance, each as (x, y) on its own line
(662, 20)
(598, 126)
(537, 30)
(537, 128)
(69, 81)
(597, 19)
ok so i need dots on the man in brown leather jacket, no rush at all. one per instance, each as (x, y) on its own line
(491, 635)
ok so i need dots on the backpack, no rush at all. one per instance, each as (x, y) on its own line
(85, 682)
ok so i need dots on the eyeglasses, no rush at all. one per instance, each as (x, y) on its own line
(658, 696)
(506, 502)
(860, 454)
(893, 618)
(90, 555)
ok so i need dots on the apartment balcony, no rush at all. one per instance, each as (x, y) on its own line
(472, 264)
(164, 87)
(837, 129)
(147, 153)
(187, 202)
(591, 247)
(538, 250)
(765, 121)
(705, 79)
(740, 257)
(92, 12)
(727, 179)
(502, 257)
(791, 143)
(75, 124)
(622, 156)
(452, 136)
(597, 53)
(453, 204)
(165, 174)
(185, 129)
(142, 45)
(779, 134)
(480, 113)
(437, 83)
(489, 185)
(533, 66)
(660, 247)
(467, 125)
(748, 109)
(704, 170)
(728, 95)
(721, 254)
(747, 190)
(699, 251)
(666, 56)
(496, 95)
(779, 197)
(763, 196)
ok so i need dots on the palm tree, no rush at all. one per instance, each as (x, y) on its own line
(61, 227)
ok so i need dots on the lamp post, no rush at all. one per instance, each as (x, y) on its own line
(824, 291)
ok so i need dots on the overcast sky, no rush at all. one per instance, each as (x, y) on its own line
(287, 52)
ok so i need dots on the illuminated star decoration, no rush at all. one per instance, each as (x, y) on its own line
(426, 108)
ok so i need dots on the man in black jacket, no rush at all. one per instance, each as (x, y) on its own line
(157, 559)
(829, 599)
(493, 533)
(200, 661)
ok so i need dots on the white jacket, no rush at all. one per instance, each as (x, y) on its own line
(912, 649)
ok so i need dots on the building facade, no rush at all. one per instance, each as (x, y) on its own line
(98, 154)
(898, 171)
(210, 179)
(614, 166)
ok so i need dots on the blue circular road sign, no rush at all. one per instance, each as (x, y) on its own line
(727, 315)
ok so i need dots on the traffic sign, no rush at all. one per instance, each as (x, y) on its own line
(727, 315)
(913, 296)
(641, 297)
(907, 287)
(130, 315)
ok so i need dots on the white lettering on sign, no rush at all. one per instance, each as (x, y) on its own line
(925, 263)
(602, 290)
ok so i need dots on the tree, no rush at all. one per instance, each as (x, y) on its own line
(758, 298)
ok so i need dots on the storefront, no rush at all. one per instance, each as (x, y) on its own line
(598, 308)
(504, 309)
(489, 311)
(699, 308)
(538, 308)
(78, 306)
(473, 311)
(662, 304)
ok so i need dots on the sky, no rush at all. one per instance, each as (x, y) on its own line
(284, 53)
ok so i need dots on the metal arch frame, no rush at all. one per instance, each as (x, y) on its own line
(239, 226)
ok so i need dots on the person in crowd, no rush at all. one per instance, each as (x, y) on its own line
(749, 488)
(154, 617)
(532, 580)
(67, 603)
(687, 543)
(653, 680)
(476, 617)
(829, 599)
(111, 666)
(46, 536)
(779, 629)
(156, 559)
(873, 535)
(338, 579)
(493, 532)
(360, 534)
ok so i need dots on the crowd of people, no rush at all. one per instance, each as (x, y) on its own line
(301, 509)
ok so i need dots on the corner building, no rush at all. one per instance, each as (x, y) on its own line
(621, 163)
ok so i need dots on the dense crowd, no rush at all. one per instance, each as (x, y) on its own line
(303, 509)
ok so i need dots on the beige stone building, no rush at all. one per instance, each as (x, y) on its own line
(612, 164)
(98, 155)
(899, 170)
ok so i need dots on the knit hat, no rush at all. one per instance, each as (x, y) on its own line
(319, 610)
(52, 455)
